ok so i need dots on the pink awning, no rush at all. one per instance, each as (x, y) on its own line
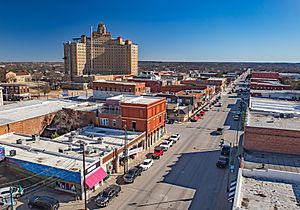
(95, 177)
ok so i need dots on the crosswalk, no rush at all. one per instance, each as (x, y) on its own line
(231, 191)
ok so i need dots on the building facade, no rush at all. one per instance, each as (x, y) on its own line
(100, 54)
(103, 89)
(15, 92)
(1, 96)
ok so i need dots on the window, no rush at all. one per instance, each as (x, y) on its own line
(114, 123)
(133, 125)
(104, 121)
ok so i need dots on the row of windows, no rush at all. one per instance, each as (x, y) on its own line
(105, 122)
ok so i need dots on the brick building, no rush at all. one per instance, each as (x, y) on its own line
(15, 92)
(265, 74)
(273, 126)
(219, 83)
(269, 86)
(103, 89)
(30, 117)
(138, 113)
(154, 85)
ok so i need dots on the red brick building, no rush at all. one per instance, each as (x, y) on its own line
(272, 125)
(269, 86)
(265, 74)
(154, 85)
(137, 113)
(15, 92)
(103, 89)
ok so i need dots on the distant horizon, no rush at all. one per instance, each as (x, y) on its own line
(193, 31)
(172, 61)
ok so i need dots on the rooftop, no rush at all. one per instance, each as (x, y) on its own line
(145, 100)
(217, 78)
(272, 113)
(268, 194)
(266, 189)
(30, 109)
(60, 151)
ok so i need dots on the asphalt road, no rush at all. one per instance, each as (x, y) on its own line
(186, 177)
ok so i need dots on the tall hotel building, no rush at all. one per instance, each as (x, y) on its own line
(100, 54)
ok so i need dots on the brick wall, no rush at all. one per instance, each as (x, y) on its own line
(272, 140)
(30, 126)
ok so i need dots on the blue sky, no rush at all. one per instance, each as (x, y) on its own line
(173, 30)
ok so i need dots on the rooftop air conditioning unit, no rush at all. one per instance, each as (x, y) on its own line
(12, 152)
(19, 141)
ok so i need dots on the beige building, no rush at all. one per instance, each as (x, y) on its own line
(1, 96)
(101, 55)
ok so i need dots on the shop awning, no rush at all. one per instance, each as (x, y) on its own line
(95, 177)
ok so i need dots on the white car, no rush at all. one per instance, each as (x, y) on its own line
(166, 145)
(206, 109)
(175, 137)
(146, 164)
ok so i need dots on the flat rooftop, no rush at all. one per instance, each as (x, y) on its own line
(216, 78)
(145, 100)
(65, 150)
(30, 109)
(268, 194)
(268, 113)
(270, 160)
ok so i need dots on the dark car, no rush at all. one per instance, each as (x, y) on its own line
(219, 131)
(222, 162)
(225, 150)
(131, 174)
(104, 197)
(43, 202)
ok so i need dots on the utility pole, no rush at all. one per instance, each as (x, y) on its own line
(11, 199)
(229, 164)
(125, 151)
(84, 175)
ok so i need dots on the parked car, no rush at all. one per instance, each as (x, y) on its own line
(206, 109)
(222, 162)
(225, 151)
(158, 151)
(219, 131)
(43, 202)
(165, 145)
(104, 197)
(194, 119)
(5, 203)
(16, 191)
(146, 164)
(175, 137)
(202, 112)
(236, 117)
(168, 141)
(170, 121)
(131, 174)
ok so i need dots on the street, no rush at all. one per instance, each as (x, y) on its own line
(186, 176)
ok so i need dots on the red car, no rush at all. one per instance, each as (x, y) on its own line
(202, 112)
(158, 151)
(194, 119)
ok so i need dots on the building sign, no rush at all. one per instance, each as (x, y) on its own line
(2, 153)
